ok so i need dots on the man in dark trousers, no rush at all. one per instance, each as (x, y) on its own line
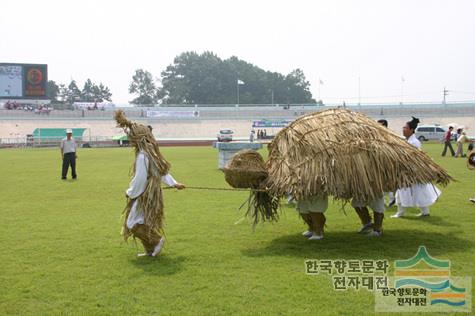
(69, 154)
(447, 143)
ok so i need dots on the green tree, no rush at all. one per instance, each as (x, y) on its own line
(87, 93)
(207, 79)
(52, 91)
(104, 92)
(72, 93)
(144, 87)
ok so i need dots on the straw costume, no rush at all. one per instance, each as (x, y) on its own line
(337, 153)
(420, 195)
(144, 212)
(471, 162)
(378, 207)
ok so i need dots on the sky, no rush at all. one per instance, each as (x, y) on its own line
(370, 51)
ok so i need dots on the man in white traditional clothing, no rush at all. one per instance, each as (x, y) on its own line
(136, 221)
(418, 195)
(144, 213)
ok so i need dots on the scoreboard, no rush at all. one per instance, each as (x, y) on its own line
(23, 81)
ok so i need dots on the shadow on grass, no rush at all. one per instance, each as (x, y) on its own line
(395, 244)
(160, 265)
(433, 220)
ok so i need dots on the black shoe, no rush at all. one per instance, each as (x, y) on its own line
(75, 178)
(63, 178)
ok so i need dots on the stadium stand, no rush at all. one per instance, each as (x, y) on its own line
(171, 125)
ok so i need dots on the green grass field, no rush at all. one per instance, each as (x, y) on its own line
(62, 252)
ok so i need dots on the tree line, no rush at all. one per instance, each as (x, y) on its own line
(207, 79)
(195, 78)
(68, 94)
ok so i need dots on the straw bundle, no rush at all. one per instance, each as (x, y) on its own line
(345, 154)
(471, 160)
(247, 170)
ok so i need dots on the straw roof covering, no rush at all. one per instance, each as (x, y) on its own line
(347, 155)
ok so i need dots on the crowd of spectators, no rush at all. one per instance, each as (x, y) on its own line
(37, 109)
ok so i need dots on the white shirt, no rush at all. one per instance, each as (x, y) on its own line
(138, 185)
(414, 141)
(68, 146)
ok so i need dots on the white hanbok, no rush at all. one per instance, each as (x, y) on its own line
(137, 187)
(418, 195)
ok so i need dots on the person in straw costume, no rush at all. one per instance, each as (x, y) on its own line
(144, 211)
(471, 162)
(312, 211)
(378, 207)
(335, 152)
(374, 229)
(391, 195)
(418, 195)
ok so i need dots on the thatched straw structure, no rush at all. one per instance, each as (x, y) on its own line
(471, 160)
(347, 155)
(247, 170)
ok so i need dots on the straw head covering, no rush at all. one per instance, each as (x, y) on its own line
(413, 123)
(141, 137)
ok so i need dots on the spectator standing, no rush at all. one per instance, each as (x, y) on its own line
(460, 141)
(69, 155)
(447, 142)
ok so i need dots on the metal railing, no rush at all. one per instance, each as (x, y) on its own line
(249, 111)
(94, 141)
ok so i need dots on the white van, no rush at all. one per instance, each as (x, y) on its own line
(225, 135)
(430, 132)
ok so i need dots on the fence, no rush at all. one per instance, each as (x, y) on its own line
(211, 112)
(22, 142)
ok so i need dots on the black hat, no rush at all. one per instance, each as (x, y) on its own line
(413, 123)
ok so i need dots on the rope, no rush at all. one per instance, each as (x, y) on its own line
(218, 189)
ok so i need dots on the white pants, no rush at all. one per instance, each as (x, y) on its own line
(377, 205)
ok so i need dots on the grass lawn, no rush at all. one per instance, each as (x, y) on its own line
(62, 253)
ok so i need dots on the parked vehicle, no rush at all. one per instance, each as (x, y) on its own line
(430, 132)
(225, 135)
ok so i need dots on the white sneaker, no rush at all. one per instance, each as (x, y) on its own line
(158, 247)
(375, 233)
(472, 200)
(316, 237)
(307, 233)
(397, 215)
(144, 254)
